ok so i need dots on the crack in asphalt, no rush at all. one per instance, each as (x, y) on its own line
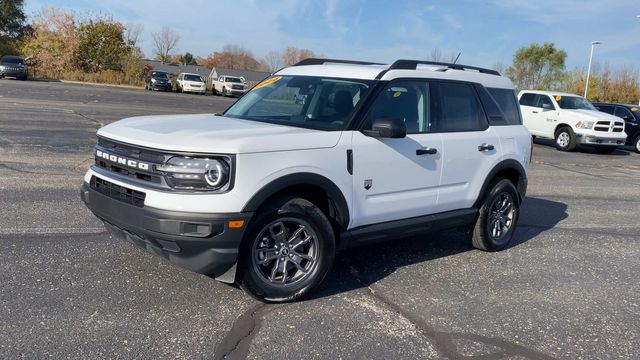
(444, 341)
(236, 343)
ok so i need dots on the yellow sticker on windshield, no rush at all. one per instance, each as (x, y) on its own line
(268, 82)
(397, 93)
(634, 109)
(558, 97)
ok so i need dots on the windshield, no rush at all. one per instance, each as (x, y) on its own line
(11, 60)
(160, 76)
(574, 103)
(190, 77)
(302, 101)
(233, 79)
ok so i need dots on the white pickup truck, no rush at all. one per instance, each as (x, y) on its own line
(229, 86)
(570, 120)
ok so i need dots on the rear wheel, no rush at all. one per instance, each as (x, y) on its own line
(565, 139)
(498, 216)
(288, 250)
(636, 144)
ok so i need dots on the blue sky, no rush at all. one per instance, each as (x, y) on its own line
(486, 32)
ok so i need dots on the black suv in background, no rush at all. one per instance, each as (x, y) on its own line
(631, 116)
(13, 66)
(158, 80)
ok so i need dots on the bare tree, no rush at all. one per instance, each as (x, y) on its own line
(293, 55)
(273, 60)
(437, 56)
(500, 67)
(165, 41)
(132, 33)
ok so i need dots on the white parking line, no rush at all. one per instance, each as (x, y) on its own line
(45, 231)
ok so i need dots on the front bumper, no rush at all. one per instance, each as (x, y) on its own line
(236, 92)
(162, 87)
(20, 74)
(202, 243)
(602, 138)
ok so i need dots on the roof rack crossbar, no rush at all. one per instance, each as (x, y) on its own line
(319, 61)
(413, 64)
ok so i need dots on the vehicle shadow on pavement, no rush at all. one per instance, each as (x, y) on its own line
(364, 267)
(620, 151)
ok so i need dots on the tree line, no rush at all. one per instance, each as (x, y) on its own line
(61, 44)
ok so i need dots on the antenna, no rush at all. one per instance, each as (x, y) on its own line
(457, 57)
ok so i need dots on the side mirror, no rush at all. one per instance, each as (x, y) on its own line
(387, 128)
(547, 106)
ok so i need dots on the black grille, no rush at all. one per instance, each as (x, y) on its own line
(237, 87)
(149, 157)
(117, 192)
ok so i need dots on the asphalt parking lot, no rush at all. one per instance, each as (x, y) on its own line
(567, 289)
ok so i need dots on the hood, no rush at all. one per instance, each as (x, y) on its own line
(207, 133)
(591, 115)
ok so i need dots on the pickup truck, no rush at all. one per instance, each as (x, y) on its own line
(229, 86)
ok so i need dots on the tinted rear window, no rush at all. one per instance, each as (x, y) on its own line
(456, 108)
(528, 99)
(508, 103)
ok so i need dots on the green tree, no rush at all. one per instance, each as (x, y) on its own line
(101, 45)
(188, 59)
(12, 25)
(538, 67)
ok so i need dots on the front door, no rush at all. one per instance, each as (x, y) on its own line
(397, 178)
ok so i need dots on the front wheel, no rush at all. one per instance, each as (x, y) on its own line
(288, 250)
(565, 139)
(636, 144)
(498, 216)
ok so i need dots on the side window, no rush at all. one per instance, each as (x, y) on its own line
(545, 102)
(406, 100)
(528, 99)
(456, 108)
(623, 113)
(605, 108)
(508, 102)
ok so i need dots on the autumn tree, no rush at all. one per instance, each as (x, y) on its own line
(53, 42)
(101, 45)
(232, 57)
(293, 55)
(620, 85)
(537, 67)
(164, 42)
(12, 24)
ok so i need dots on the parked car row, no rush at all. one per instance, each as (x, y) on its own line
(193, 83)
(571, 120)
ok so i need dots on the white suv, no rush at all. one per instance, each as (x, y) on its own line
(266, 193)
(191, 83)
(570, 120)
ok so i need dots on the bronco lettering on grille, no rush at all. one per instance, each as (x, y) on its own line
(122, 161)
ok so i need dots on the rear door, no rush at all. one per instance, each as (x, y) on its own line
(397, 178)
(531, 112)
(470, 146)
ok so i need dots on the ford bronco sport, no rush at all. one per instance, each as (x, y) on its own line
(266, 193)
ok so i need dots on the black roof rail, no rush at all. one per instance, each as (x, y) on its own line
(319, 61)
(413, 64)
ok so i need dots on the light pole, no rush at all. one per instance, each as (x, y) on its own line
(586, 87)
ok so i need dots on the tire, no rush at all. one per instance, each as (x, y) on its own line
(636, 143)
(290, 220)
(224, 92)
(565, 139)
(605, 149)
(492, 233)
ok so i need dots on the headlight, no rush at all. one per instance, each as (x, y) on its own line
(584, 124)
(188, 173)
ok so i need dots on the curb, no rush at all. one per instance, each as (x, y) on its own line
(101, 84)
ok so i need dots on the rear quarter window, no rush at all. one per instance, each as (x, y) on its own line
(508, 103)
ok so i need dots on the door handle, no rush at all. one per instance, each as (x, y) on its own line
(486, 147)
(426, 151)
(535, 112)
